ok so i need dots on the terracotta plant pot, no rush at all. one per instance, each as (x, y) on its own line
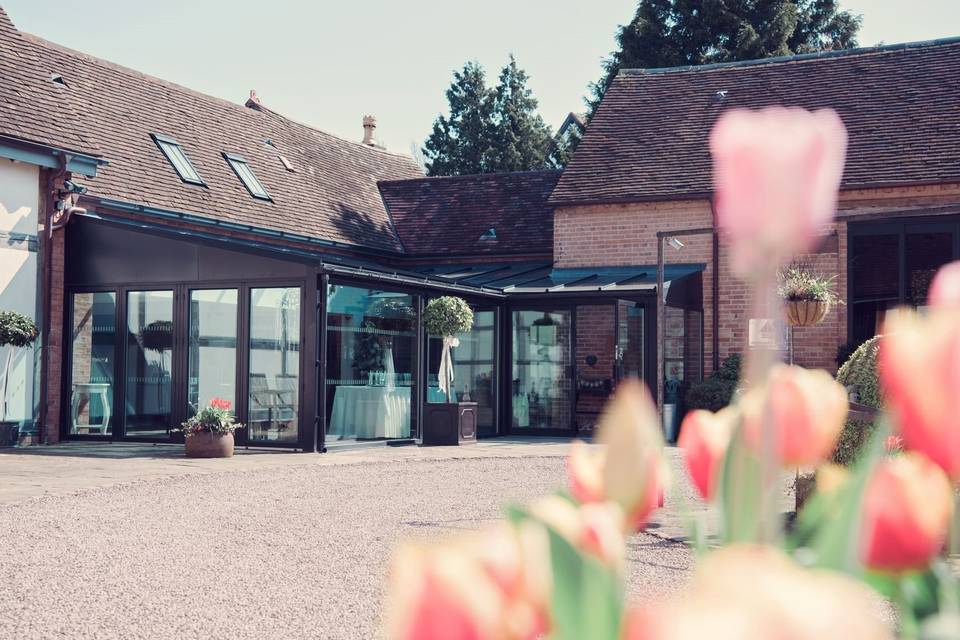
(209, 445)
(806, 313)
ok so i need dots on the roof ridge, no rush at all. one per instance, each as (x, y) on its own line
(465, 176)
(798, 57)
(35, 39)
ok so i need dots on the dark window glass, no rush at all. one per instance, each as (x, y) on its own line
(92, 362)
(149, 357)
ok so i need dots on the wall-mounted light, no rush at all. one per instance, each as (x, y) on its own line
(675, 243)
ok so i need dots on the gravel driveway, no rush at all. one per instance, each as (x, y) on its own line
(298, 551)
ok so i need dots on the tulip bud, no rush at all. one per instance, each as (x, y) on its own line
(585, 472)
(907, 507)
(704, 437)
(595, 529)
(945, 288)
(920, 371)
(806, 408)
(635, 473)
(776, 176)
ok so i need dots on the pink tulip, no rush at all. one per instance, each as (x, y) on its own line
(806, 408)
(742, 592)
(635, 473)
(907, 507)
(704, 437)
(595, 529)
(920, 371)
(493, 585)
(945, 288)
(585, 472)
(776, 176)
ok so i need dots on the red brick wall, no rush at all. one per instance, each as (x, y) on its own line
(626, 234)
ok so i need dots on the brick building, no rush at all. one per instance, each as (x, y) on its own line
(220, 250)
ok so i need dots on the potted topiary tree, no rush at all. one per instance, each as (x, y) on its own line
(16, 331)
(209, 433)
(450, 422)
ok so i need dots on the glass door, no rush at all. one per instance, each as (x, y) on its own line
(149, 357)
(273, 383)
(629, 354)
(542, 370)
(212, 348)
(93, 331)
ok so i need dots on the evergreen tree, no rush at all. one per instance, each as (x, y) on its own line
(460, 143)
(522, 140)
(491, 130)
(669, 33)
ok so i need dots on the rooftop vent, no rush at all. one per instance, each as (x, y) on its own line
(720, 96)
(489, 234)
(56, 77)
(254, 100)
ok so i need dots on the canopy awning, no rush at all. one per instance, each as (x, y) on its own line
(542, 277)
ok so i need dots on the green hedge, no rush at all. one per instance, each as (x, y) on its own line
(716, 391)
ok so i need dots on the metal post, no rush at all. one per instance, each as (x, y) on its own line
(660, 313)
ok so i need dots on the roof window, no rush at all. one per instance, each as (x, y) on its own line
(245, 173)
(175, 155)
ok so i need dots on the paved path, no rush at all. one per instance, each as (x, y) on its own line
(103, 543)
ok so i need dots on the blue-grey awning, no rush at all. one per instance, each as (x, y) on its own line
(542, 277)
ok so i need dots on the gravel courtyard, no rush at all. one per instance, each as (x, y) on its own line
(298, 550)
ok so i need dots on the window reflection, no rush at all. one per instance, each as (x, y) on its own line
(371, 350)
(274, 382)
(541, 370)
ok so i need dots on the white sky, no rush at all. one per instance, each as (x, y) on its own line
(327, 63)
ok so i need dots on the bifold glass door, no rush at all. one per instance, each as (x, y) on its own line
(273, 403)
(93, 337)
(149, 358)
(541, 371)
(212, 348)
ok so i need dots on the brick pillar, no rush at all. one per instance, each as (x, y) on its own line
(53, 346)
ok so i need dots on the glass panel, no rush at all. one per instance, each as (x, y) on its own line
(630, 341)
(92, 362)
(874, 282)
(274, 399)
(474, 370)
(541, 370)
(249, 179)
(149, 355)
(371, 352)
(595, 353)
(925, 254)
(212, 350)
(180, 162)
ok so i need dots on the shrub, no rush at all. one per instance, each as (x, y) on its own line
(716, 391)
(860, 372)
(16, 329)
(447, 316)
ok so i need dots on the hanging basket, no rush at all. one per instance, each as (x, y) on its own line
(806, 313)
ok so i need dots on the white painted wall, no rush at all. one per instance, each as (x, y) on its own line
(19, 204)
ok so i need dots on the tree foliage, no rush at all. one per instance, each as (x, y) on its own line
(490, 129)
(670, 33)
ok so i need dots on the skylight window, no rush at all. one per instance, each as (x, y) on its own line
(245, 173)
(175, 155)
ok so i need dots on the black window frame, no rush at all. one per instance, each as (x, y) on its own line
(234, 160)
(160, 140)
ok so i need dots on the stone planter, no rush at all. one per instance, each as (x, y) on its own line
(806, 313)
(449, 423)
(209, 445)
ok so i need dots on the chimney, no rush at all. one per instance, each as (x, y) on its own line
(369, 127)
(253, 101)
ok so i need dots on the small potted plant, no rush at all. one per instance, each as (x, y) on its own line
(450, 422)
(209, 433)
(808, 296)
(16, 331)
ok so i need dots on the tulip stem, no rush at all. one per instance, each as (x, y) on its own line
(908, 620)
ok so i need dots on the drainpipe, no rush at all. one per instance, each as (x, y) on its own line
(715, 303)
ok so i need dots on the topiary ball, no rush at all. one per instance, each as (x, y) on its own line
(16, 329)
(447, 316)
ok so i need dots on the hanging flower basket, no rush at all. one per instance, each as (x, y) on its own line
(806, 313)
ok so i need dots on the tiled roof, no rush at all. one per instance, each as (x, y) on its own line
(33, 107)
(332, 194)
(449, 214)
(648, 138)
